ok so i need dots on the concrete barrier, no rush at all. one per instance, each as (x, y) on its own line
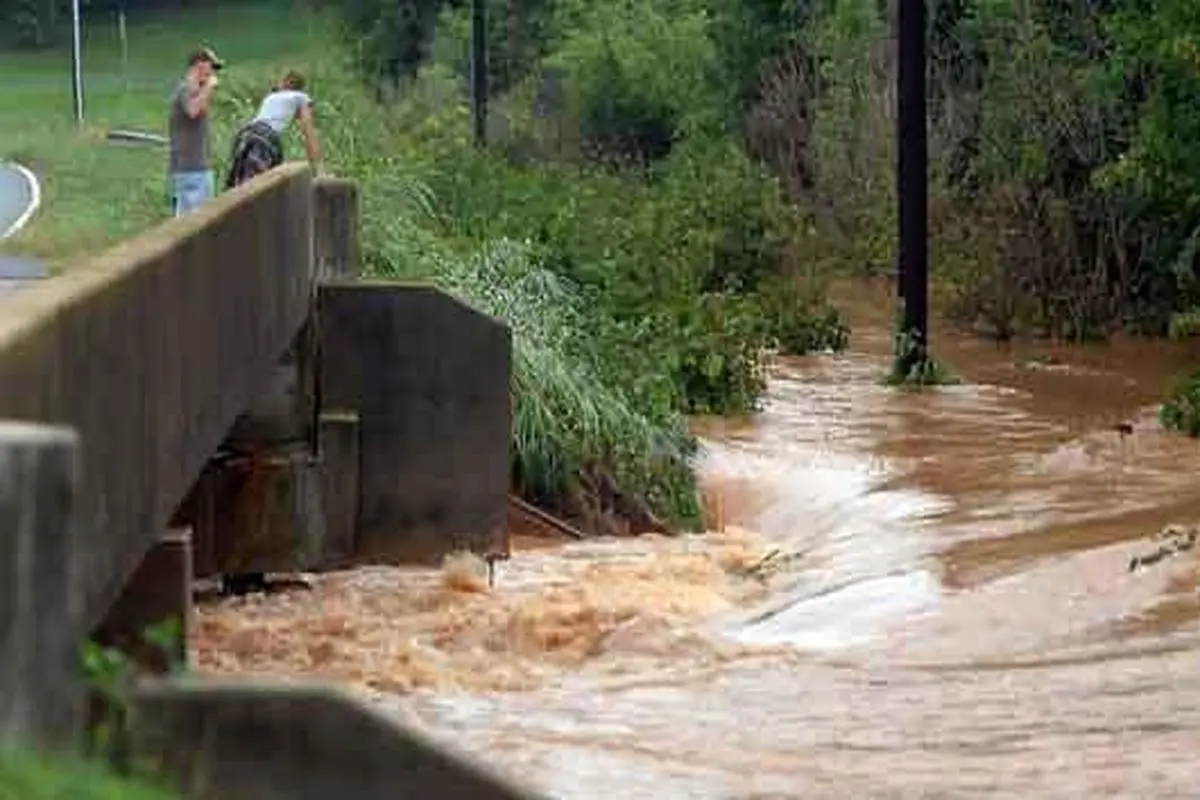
(239, 741)
(40, 696)
(217, 740)
(336, 228)
(150, 352)
(148, 355)
(293, 503)
(428, 379)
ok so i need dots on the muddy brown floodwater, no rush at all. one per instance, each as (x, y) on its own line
(956, 619)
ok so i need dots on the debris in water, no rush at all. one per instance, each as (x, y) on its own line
(1179, 540)
(491, 559)
(772, 563)
(246, 583)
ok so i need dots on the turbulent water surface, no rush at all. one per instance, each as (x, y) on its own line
(950, 611)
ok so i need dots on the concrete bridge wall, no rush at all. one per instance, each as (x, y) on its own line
(149, 352)
(137, 366)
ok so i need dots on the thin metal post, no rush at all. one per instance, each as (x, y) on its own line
(479, 81)
(913, 178)
(76, 62)
(122, 35)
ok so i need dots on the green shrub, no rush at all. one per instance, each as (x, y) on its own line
(1184, 324)
(569, 423)
(1182, 411)
(912, 366)
(637, 293)
(640, 75)
(800, 319)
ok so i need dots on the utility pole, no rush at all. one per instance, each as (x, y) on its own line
(479, 80)
(912, 180)
(76, 63)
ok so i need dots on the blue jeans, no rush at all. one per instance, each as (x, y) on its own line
(190, 190)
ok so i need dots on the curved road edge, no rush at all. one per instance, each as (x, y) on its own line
(20, 197)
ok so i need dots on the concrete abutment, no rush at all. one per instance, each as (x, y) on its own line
(192, 372)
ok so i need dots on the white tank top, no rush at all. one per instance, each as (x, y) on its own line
(278, 109)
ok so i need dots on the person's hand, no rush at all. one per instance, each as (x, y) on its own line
(213, 81)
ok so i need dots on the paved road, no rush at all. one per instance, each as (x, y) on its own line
(15, 197)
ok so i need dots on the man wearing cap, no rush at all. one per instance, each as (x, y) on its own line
(191, 171)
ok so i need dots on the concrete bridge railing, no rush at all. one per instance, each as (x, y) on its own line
(127, 380)
(150, 352)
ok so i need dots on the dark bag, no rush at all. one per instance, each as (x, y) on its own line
(256, 149)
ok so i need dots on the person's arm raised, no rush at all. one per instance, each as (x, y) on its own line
(198, 98)
(309, 128)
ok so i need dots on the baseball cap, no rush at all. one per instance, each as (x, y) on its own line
(206, 54)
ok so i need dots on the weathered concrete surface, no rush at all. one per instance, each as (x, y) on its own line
(151, 351)
(338, 450)
(159, 591)
(285, 413)
(278, 519)
(337, 228)
(40, 697)
(238, 741)
(428, 378)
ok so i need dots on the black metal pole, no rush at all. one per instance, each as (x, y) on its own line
(479, 81)
(913, 179)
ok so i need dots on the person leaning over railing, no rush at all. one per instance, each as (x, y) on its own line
(258, 145)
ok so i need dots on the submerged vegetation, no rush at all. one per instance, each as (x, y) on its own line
(914, 367)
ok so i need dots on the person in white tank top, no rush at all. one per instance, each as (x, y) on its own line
(258, 145)
(290, 102)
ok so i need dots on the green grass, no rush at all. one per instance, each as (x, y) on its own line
(96, 193)
(25, 776)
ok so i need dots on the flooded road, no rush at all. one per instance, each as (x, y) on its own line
(913, 595)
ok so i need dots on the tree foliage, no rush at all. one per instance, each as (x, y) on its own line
(639, 254)
(1065, 182)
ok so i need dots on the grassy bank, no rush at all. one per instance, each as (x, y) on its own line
(96, 193)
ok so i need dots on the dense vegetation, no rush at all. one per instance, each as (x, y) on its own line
(1064, 196)
(643, 258)
(1065, 176)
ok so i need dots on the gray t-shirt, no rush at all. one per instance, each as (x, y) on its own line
(279, 108)
(189, 137)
